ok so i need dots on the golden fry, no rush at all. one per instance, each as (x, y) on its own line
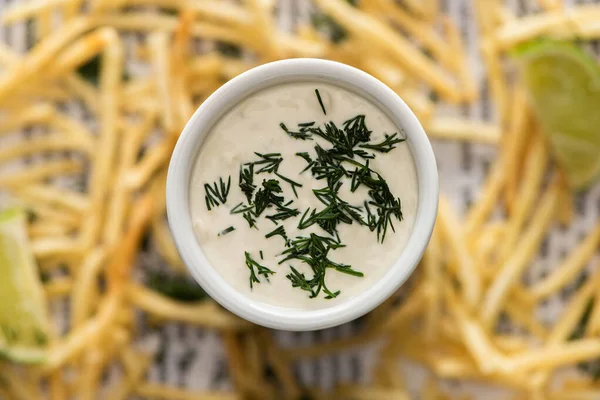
(459, 129)
(511, 270)
(206, 314)
(571, 266)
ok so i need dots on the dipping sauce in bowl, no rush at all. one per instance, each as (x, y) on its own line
(321, 195)
(302, 194)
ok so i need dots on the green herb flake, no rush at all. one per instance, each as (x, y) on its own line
(256, 270)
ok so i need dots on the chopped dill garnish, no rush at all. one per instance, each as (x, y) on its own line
(306, 158)
(336, 211)
(217, 193)
(248, 216)
(303, 132)
(270, 162)
(256, 269)
(342, 155)
(320, 101)
(267, 196)
(387, 145)
(282, 214)
(293, 184)
(313, 251)
(247, 181)
(279, 231)
(226, 231)
(241, 208)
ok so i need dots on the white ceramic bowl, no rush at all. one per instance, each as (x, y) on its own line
(214, 108)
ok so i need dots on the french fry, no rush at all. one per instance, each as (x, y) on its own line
(432, 263)
(593, 327)
(40, 57)
(525, 319)
(39, 172)
(157, 391)
(51, 143)
(497, 79)
(84, 288)
(280, 364)
(474, 337)
(460, 129)
(515, 143)
(467, 272)
(549, 5)
(535, 170)
(139, 175)
(55, 247)
(101, 171)
(573, 312)
(242, 382)
(79, 338)
(165, 244)
(575, 22)
(55, 196)
(119, 269)
(30, 9)
(487, 199)
(570, 267)
(81, 51)
(461, 63)
(205, 314)
(421, 30)
(84, 91)
(159, 48)
(117, 208)
(180, 56)
(35, 114)
(58, 287)
(513, 267)
(264, 29)
(136, 365)
(578, 394)
(356, 392)
(551, 357)
(46, 228)
(15, 385)
(396, 46)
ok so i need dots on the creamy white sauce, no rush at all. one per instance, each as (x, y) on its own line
(253, 126)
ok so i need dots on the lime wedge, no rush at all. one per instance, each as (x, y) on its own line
(564, 85)
(23, 310)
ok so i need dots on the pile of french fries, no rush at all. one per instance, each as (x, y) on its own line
(152, 77)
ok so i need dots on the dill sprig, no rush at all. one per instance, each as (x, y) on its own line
(249, 217)
(226, 231)
(303, 132)
(270, 162)
(217, 193)
(320, 101)
(387, 145)
(267, 196)
(292, 183)
(313, 251)
(246, 179)
(336, 211)
(282, 214)
(256, 269)
(241, 208)
(279, 231)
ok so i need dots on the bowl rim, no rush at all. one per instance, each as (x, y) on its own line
(221, 101)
